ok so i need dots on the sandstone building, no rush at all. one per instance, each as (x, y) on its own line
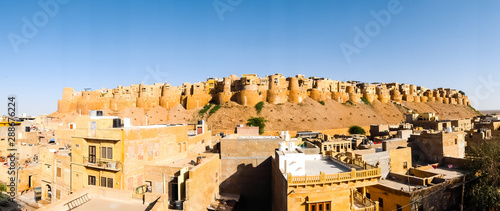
(249, 90)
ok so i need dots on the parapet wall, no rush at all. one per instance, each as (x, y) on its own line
(248, 91)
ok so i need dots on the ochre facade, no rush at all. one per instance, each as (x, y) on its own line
(249, 90)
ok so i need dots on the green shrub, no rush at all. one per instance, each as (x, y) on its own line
(3, 188)
(477, 112)
(257, 122)
(365, 101)
(322, 102)
(357, 130)
(259, 106)
(204, 109)
(348, 103)
(213, 110)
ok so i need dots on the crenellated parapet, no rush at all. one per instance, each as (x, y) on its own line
(250, 90)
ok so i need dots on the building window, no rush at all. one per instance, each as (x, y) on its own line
(398, 207)
(103, 181)
(320, 206)
(58, 194)
(58, 172)
(110, 153)
(368, 195)
(106, 182)
(110, 182)
(103, 152)
(92, 180)
(380, 202)
(92, 154)
(107, 152)
(405, 164)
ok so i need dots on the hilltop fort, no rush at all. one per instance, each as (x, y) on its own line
(249, 90)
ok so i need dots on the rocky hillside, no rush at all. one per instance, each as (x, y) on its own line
(308, 115)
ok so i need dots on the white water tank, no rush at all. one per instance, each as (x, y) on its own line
(449, 130)
(287, 136)
(291, 146)
(282, 146)
(126, 122)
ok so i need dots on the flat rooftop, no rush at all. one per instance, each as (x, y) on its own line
(398, 185)
(109, 204)
(151, 126)
(448, 173)
(313, 167)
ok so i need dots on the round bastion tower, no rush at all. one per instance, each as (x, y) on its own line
(438, 96)
(353, 95)
(224, 93)
(429, 95)
(396, 96)
(368, 94)
(294, 90)
(249, 94)
(277, 92)
(383, 95)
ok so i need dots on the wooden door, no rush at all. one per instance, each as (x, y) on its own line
(92, 154)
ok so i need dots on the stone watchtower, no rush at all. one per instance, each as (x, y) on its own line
(277, 89)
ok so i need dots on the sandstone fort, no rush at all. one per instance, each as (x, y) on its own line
(249, 90)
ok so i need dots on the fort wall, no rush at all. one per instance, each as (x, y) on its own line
(248, 91)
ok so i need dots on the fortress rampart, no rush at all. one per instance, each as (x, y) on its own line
(249, 90)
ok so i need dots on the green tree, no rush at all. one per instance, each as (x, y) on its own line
(259, 106)
(357, 130)
(322, 102)
(3, 187)
(257, 122)
(484, 167)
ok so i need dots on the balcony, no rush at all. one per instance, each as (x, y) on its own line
(103, 164)
(361, 203)
(334, 178)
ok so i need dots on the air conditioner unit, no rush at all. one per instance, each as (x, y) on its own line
(112, 165)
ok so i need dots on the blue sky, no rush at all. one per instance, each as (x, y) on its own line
(95, 44)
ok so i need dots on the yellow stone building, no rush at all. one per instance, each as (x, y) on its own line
(311, 182)
(106, 154)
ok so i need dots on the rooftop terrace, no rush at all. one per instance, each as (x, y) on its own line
(110, 204)
(313, 167)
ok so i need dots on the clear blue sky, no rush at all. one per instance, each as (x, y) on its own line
(99, 44)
